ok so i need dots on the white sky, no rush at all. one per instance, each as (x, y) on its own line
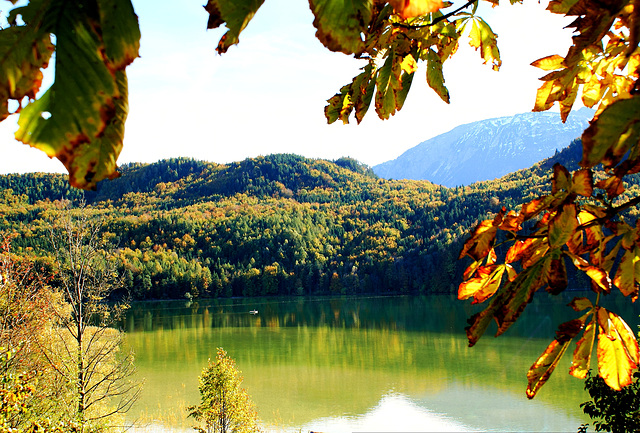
(267, 94)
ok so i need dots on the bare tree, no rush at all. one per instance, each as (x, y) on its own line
(87, 351)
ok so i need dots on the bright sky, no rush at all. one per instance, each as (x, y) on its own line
(267, 94)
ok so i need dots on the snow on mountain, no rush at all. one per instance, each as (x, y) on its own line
(487, 149)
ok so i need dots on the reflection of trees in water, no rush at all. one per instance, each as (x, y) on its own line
(440, 313)
(423, 334)
(324, 351)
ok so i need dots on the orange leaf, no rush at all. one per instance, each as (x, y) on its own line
(534, 207)
(511, 222)
(484, 285)
(541, 370)
(481, 240)
(415, 8)
(529, 251)
(612, 185)
(582, 182)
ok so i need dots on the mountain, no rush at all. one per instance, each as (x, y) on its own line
(275, 225)
(487, 149)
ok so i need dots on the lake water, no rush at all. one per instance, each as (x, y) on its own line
(355, 364)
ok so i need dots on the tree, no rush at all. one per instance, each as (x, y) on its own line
(26, 311)
(81, 119)
(85, 353)
(615, 411)
(224, 406)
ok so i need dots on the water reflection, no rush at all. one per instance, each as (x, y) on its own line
(341, 361)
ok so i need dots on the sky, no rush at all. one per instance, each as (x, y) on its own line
(267, 94)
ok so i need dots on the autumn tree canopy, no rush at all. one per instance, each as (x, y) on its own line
(80, 120)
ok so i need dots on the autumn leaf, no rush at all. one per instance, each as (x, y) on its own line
(542, 369)
(483, 39)
(582, 354)
(612, 134)
(628, 273)
(341, 23)
(561, 179)
(484, 285)
(24, 51)
(549, 63)
(580, 304)
(616, 360)
(414, 8)
(520, 290)
(481, 240)
(80, 118)
(534, 207)
(527, 251)
(562, 225)
(435, 77)
(582, 183)
(236, 15)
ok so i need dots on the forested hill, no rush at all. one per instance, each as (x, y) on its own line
(280, 224)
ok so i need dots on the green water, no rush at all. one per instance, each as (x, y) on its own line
(355, 364)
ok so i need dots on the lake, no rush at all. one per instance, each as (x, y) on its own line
(356, 364)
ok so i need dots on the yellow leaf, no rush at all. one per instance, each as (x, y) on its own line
(628, 272)
(582, 354)
(542, 97)
(409, 64)
(549, 63)
(482, 38)
(615, 363)
(415, 8)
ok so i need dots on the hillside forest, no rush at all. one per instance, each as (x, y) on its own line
(274, 225)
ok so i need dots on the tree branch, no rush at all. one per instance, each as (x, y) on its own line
(437, 20)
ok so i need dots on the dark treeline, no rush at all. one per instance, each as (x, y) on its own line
(275, 225)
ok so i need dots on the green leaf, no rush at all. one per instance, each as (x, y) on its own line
(120, 32)
(615, 131)
(235, 14)
(562, 226)
(80, 118)
(435, 77)
(341, 23)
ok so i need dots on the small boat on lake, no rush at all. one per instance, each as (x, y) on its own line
(254, 312)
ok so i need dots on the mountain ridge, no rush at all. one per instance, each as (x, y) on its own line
(486, 149)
